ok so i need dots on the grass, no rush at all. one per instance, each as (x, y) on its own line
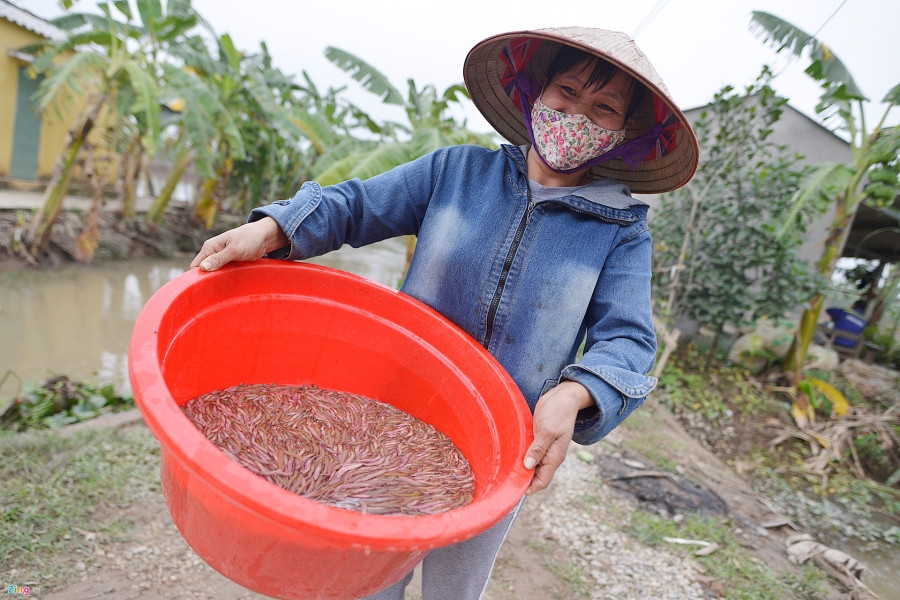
(570, 575)
(643, 422)
(715, 394)
(577, 587)
(62, 495)
(743, 577)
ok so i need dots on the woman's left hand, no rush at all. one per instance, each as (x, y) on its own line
(554, 423)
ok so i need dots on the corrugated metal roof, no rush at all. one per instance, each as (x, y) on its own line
(29, 21)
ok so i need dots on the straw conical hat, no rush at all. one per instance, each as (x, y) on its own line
(488, 71)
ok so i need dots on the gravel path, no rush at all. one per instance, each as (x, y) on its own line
(583, 516)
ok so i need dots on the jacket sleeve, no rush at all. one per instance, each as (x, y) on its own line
(620, 346)
(321, 219)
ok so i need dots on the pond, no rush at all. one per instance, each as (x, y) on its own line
(76, 320)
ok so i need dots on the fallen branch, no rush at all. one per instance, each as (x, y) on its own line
(802, 548)
(639, 474)
(832, 440)
(708, 547)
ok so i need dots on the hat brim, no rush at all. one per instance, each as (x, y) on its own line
(484, 70)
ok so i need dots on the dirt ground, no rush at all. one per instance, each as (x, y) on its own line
(155, 563)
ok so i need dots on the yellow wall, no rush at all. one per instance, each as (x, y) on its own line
(53, 128)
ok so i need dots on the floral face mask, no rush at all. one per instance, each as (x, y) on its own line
(566, 142)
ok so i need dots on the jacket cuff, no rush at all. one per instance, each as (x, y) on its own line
(290, 214)
(616, 393)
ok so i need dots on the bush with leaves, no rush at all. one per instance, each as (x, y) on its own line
(718, 258)
(58, 401)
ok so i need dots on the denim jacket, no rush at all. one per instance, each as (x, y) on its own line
(529, 280)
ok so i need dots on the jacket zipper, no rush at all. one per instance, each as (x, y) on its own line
(504, 273)
(511, 254)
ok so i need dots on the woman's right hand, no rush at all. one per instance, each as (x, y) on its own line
(250, 241)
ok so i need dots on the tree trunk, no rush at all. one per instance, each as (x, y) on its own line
(131, 168)
(207, 203)
(713, 349)
(41, 225)
(796, 355)
(182, 162)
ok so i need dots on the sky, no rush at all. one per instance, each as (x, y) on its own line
(697, 46)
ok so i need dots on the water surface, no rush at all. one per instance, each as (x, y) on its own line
(76, 320)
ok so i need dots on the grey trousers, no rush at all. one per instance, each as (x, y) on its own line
(460, 571)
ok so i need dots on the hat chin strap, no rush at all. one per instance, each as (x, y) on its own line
(632, 152)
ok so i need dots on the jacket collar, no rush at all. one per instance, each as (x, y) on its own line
(602, 192)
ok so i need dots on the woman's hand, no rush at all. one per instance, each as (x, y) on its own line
(554, 423)
(250, 241)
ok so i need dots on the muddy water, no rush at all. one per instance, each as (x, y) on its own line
(77, 320)
(882, 574)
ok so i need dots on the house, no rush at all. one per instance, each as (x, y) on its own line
(29, 142)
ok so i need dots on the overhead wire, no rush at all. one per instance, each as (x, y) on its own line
(649, 17)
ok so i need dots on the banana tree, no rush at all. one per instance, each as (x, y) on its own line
(130, 172)
(333, 126)
(235, 117)
(92, 75)
(843, 185)
(112, 56)
(273, 137)
(429, 128)
(200, 127)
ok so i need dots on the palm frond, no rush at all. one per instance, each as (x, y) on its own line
(453, 93)
(778, 32)
(151, 11)
(315, 127)
(427, 140)
(336, 171)
(886, 147)
(338, 161)
(817, 188)
(380, 160)
(281, 121)
(74, 21)
(310, 87)
(893, 96)
(825, 67)
(197, 59)
(228, 52)
(124, 7)
(368, 76)
(146, 102)
(205, 119)
(463, 135)
(173, 27)
(48, 53)
(63, 83)
(72, 42)
(831, 105)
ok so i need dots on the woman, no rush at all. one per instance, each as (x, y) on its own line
(532, 249)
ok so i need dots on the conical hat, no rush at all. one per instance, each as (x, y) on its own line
(492, 64)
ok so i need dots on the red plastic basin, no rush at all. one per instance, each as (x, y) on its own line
(292, 323)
